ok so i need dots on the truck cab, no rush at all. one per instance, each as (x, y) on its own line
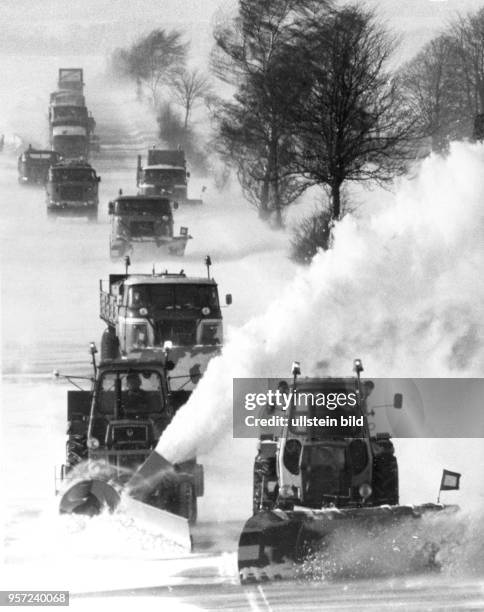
(72, 189)
(144, 223)
(145, 311)
(164, 174)
(70, 141)
(113, 428)
(33, 165)
(71, 79)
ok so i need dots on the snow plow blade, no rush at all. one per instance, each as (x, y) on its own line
(274, 544)
(91, 497)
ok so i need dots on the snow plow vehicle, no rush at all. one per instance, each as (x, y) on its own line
(320, 474)
(113, 429)
(165, 174)
(72, 190)
(34, 164)
(144, 311)
(144, 225)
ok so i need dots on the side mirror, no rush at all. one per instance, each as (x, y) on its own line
(175, 205)
(188, 174)
(398, 401)
(98, 179)
(111, 208)
(228, 299)
(183, 231)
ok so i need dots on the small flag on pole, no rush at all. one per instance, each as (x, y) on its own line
(450, 481)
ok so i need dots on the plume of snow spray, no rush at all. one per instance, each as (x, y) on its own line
(399, 289)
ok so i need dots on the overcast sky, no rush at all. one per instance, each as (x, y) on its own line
(119, 21)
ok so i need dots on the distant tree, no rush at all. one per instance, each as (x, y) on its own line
(152, 61)
(189, 88)
(349, 119)
(468, 36)
(429, 85)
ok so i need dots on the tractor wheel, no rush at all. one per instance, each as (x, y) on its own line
(385, 479)
(187, 501)
(109, 344)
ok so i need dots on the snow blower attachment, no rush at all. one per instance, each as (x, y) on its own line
(321, 476)
(92, 497)
(111, 462)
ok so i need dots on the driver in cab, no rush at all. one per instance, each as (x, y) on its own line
(135, 398)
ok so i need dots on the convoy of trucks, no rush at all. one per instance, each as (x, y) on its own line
(71, 126)
(162, 329)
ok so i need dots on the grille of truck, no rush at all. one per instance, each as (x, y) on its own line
(72, 192)
(181, 333)
(142, 228)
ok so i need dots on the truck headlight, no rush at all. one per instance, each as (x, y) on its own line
(365, 491)
(92, 443)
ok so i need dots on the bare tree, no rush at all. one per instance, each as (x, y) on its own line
(434, 92)
(349, 121)
(254, 135)
(189, 87)
(468, 35)
(153, 60)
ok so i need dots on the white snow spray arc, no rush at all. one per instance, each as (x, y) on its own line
(401, 289)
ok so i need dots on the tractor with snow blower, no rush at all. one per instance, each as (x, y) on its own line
(321, 472)
(112, 430)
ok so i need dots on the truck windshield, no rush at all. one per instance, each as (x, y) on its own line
(40, 156)
(164, 176)
(69, 112)
(72, 174)
(174, 297)
(126, 391)
(138, 206)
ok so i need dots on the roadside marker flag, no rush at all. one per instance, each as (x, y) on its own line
(450, 481)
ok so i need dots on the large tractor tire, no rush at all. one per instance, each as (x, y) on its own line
(385, 479)
(109, 344)
(187, 500)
